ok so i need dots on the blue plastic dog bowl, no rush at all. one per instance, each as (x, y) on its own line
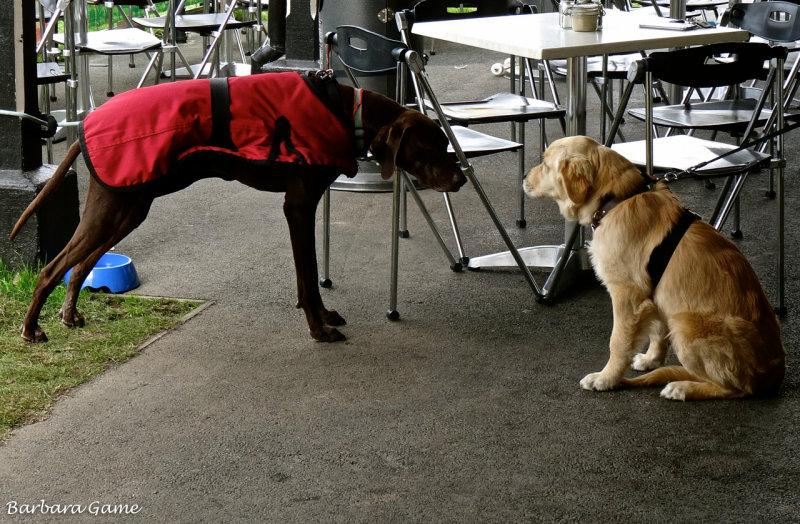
(113, 273)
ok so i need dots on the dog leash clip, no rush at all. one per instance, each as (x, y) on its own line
(672, 176)
(324, 74)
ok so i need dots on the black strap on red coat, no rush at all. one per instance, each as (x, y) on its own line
(283, 136)
(221, 115)
(324, 85)
(661, 255)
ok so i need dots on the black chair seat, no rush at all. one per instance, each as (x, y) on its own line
(618, 66)
(50, 73)
(720, 115)
(501, 107)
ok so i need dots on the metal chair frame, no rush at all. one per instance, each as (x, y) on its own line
(534, 108)
(376, 58)
(211, 24)
(397, 56)
(416, 65)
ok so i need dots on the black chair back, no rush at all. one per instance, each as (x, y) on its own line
(775, 21)
(701, 67)
(364, 51)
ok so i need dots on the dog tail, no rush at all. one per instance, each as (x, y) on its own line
(48, 189)
(660, 377)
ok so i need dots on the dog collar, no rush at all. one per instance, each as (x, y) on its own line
(609, 203)
(358, 121)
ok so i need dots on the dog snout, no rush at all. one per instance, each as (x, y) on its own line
(442, 176)
(447, 179)
(456, 179)
(530, 182)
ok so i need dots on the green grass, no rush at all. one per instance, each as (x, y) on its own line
(97, 15)
(32, 376)
(462, 9)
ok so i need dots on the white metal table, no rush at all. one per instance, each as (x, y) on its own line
(540, 37)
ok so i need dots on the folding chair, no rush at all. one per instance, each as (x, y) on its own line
(517, 109)
(123, 41)
(775, 22)
(365, 52)
(48, 71)
(128, 40)
(731, 109)
(211, 25)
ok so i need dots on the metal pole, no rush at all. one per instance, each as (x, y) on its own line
(677, 10)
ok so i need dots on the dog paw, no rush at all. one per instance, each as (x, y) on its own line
(598, 382)
(328, 334)
(72, 319)
(35, 335)
(674, 391)
(332, 318)
(642, 362)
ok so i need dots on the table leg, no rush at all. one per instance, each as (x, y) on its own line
(577, 77)
(566, 260)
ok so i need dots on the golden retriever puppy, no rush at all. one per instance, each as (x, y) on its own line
(708, 302)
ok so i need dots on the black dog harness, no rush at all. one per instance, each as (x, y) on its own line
(661, 255)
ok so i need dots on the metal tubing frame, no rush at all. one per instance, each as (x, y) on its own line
(415, 64)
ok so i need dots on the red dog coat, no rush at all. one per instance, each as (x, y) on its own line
(139, 136)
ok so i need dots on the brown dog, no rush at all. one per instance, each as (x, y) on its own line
(708, 303)
(396, 136)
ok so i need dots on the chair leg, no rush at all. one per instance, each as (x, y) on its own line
(325, 281)
(770, 192)
(545, 67)
(521, 170)
(718, 220)
(551, 284)
(391, 312)
(736, 231)
(110, 89)
(403, 210)
(158, 56)
(780, 307)
(464, 259)
(403, 184)
(455, 265)
(241, 47)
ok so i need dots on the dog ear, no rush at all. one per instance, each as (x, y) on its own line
(386, 145)
(576, 173)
